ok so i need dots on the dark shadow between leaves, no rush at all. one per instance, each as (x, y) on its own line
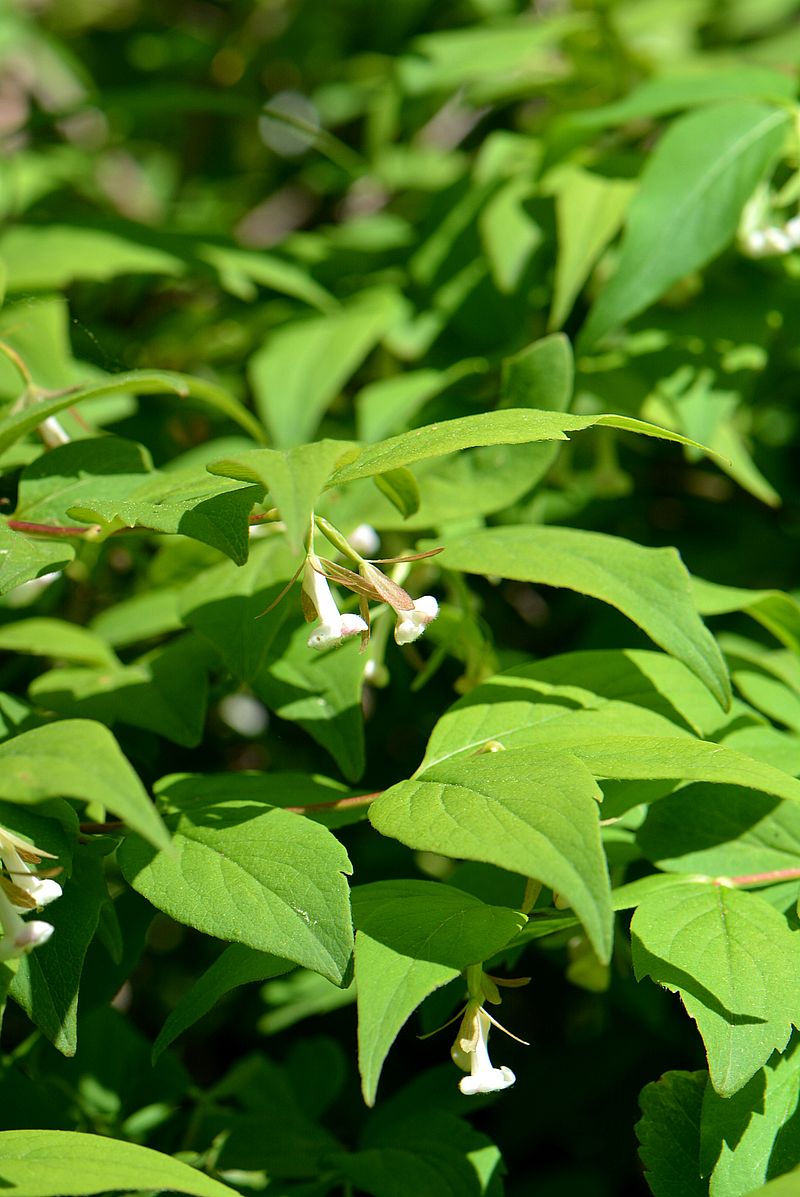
(610, 674)
(170, 702)
(725, 1119)
(702, 816)
(222, 521)
(647, 964)
(240, 627)
(785, 1153)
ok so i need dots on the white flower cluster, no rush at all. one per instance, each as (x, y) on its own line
(21, 891)
(334, 627)
(772, 240)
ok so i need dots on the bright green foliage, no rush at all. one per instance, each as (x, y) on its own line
(733, 960)
(81, 759)
(37, 1163)
(543, 813)
(399, 609)
(214, 876)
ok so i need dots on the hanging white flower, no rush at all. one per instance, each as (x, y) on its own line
(333, 625)
(411, 624)
(20, 892)
(13, 850)
(471, 1053)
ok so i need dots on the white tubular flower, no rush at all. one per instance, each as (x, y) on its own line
(39, 890)
(411, 624)
(333, 626)
(19, 937)
(471, 1053)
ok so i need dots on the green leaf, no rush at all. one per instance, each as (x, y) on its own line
(165, 692)
(134, 382)
(509, 234)
(293, 477)
(23, 558)
(243, 271)
(721, 831)
(103, 467)
(303, 367)
(49, 257)
(650, 586)
(669, 1134)
(429, 1153)
(236, 965)
(210, 510)
(517, 50)
(47, 982)
(778, 612)
(528, 812)
(51, 1163)
(732, 958)
(675, 90)
(390, 404)
(319, 691)
(412, 938)
(57, 639)
(540, 376)
(245, 871)
(430, 921)
(79, 759)
(589, 211)
(783, 1186)
(692, 192)
(749, 1137)
(511, 426)
(401, 489)
(42, 340)
(524, 707)
(776, 700)
(140, 617)
(768, 745)
(389, 987)
(227, 606)
(646, 757)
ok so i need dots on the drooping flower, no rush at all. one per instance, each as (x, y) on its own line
(411, 624)
(471, 1053)
(320, 604)
(17, 856)
(21, 891)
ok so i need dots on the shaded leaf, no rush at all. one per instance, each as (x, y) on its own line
(650, 586)
(79, 759)
(669, 1134)
(692, 191)
(237, 965)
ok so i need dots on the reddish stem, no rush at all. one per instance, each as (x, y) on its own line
(48, 529)
(760, 878)
(339, 804)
